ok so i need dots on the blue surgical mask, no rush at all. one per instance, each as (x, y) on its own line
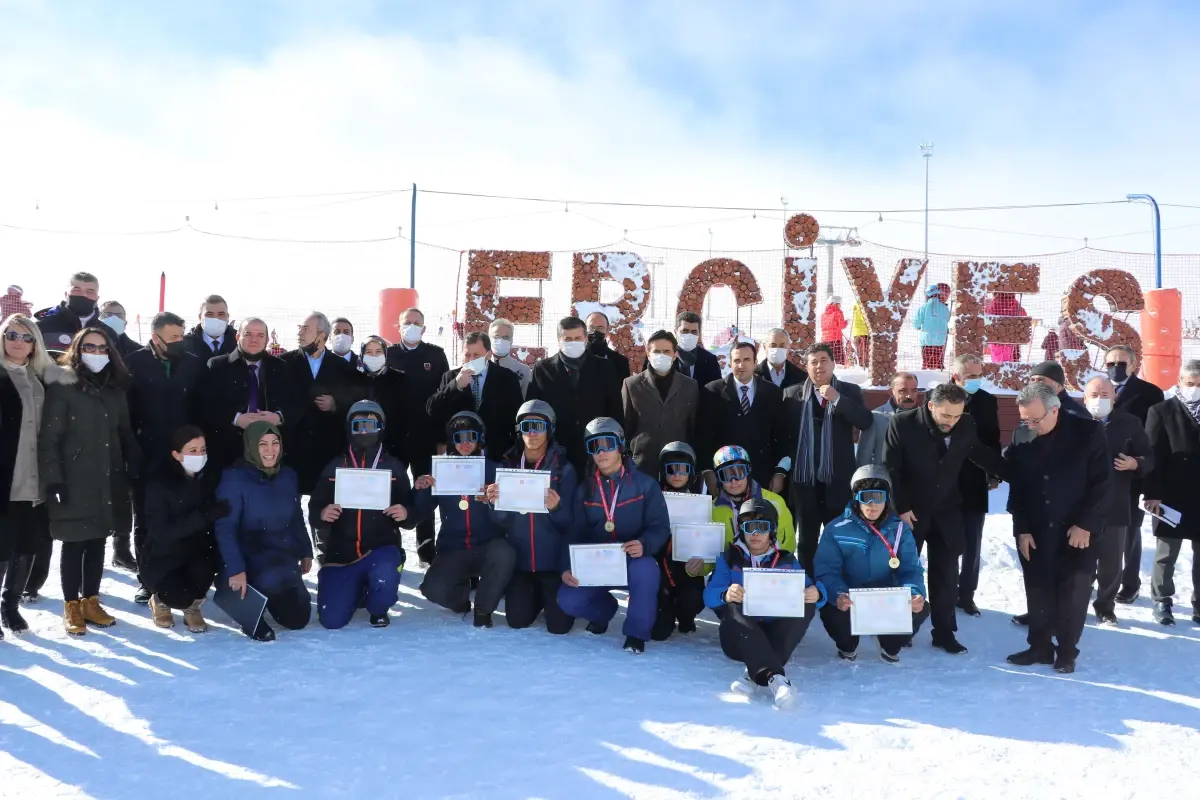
(972, 385)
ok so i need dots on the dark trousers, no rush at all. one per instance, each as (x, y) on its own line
(39, 566)
(1162, 582)
(1131, 574)
(341, 588)
(1058, 610)
(81, 566)
(837, 625)
(968, 575)
(531, 593)
(448, 581)
(678, 602)
(184, 585)
(422, 464)
(941, 582)
(15, 580)
(138, 494)
(596, 603)
(290, 605)
(1110, 550)
(808, 506)
(763, 645)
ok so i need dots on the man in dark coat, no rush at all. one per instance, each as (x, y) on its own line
(212, 337)
(692, 359)
(1134, 396)
(598, 327)
(115, 323)
(1174, 430)
(423, 365)
(660, 405)
(776, 367)
(1060, 484)
(1051, 373)
(60, 323)
(925, 450)
(241, 388)
(579, 388)
(904, 396)
(974, 483)
(494, 393)
(760, 430)
(820, 416)
(1131, 457)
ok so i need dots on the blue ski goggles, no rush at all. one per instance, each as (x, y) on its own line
(532, 426)
(871, 497)
(677, 468)
(733, 472)
(365, 425)
(752, 527)
(466, 437)
(602, 444)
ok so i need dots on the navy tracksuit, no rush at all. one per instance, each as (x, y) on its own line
(641, 514)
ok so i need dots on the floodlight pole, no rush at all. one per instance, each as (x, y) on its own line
(1145, 198)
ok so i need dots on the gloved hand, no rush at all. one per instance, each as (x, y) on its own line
(56, 493)
(218, 510)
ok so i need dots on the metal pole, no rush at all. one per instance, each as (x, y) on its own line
(412, 243)
(927, 153)
(829, 270)
(1157, 235)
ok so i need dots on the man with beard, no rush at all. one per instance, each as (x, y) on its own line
(212, 337)
(597, 335)
(924, 454)
(903, 388)
(77, 311)
(974, 484)
(1059, 482)
(692, 359)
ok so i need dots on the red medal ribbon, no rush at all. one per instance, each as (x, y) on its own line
(610, 511)
(892, 549)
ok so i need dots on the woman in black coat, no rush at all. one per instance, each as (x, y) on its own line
(388, 387)
(180, 558)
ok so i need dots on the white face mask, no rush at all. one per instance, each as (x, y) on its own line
(476, 365)
(573, 349)
(193, 464)
(501, 347)
(777, 355)
(688, 341)
(1189, 393)
(95, 363)
(374, 363)
(661, 362)
(1099, 407)
(115, 324)
(411, 333)
(213, 327)
(342, 343)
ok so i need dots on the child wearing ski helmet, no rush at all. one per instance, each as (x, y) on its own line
(762, 644)
(732, 466)
(470, 544)
(870, 547)
(617, 503)
(681, 584)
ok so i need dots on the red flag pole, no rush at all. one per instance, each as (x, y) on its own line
(162, 293)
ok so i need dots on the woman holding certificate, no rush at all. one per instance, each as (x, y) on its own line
(733, 468)
(764, 600)
(870, 548)
(539, 538)
(681, 583)
(616, 506)
(470, 543)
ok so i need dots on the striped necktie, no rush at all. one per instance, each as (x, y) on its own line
(475, 390)
(745, 400)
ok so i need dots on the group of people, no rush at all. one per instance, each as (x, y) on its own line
(205, 446)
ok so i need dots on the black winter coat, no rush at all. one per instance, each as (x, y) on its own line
(498, 407)
(224, 392)
(162, 398)
(315, 437)
(1175, 481)
(720, 422)
(849, 413)
(197, 344)
(577, 396)
(973, 485)
(178, 531)
(58, 325)
(357, 532)
(389, 388)
(423, 367)
(1125, 434)
(1137, 397)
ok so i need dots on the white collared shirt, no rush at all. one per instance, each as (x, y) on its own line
(749, 395)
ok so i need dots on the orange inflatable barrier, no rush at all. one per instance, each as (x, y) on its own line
(393, 303)
(1162, 337)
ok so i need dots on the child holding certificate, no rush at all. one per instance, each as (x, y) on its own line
(470, 544)
(616, 503)
(540, 540)
(681, 583)
(359, 549)
(764, 645)
(869, 548)
(732, 465)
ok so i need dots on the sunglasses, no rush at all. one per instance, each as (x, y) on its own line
(367, 425)
(871, 497)
(465, 437)
(758, 527)
(532, 426)
(602, 444)
(93, 348)
(678, 468)
(16, 336)
(733, 472)
(1115, 363)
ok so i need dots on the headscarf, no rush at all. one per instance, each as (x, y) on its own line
(254, 434)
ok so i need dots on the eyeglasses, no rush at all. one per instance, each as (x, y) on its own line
(758, 527)
(733, 472)
(91, 349)
(364, 425)
(17, 336)
(532, 426)
(602, 444)
(678, 468)
(465, 437)
(1033, 423)
(871, 497)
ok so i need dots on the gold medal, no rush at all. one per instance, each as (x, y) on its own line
(610, 527)
(463, 504)
(894, 562)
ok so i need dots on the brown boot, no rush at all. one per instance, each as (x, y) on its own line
(94, 614)
(73, 618)
(162, 615)
(194, 619)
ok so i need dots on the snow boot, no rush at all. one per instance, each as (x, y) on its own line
(380, 621)
(781, 688)
(1162, 614)
(635, 645)
(482, 619)
(73, 618)
(194, 619)
(161, 615)
(94, 613)
(744, 685)
(950, 644)
(122, 556)
(1064, 664)
(1027, 658)
(142, 596)
(597, 628)
(10, 601)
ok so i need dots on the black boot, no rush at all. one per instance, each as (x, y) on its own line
(122, 557)
(482, 619)
(635, 645)
(597, 628)
(263, 633)
(949, 643)
(687, 625)
(969, 607)
(1027, 658)
(380, 621)
(142, 596)
(10, 600)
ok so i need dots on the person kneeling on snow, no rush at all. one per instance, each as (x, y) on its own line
(470, 544)
(732, 466)
(764, 645)
(869, 548)
(616, 503)
(681, 584)
(360, 552)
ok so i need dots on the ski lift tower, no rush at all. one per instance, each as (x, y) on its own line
(834, 237)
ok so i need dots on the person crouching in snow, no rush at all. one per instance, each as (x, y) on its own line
(869, 548)
(470, 543)
(732, 466)
(538, 540)
(359, 550)
(619, 504)
(681, 584)
(764, 645)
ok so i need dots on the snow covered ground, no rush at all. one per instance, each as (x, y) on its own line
(432, 708)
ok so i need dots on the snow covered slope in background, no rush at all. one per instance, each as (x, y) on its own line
(432, 708)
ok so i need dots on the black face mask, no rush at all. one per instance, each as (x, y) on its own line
(311, 349)
(81, 306)
(365, 442)
(1118, 373)
(252, 358)
(173, 350)
(597, 343)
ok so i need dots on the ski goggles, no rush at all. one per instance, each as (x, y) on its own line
(733, 472)
(364, 425)
(677, 468)
(758, 527)
(602, 444)
(871, 497)
(532, 426)
(465, 437)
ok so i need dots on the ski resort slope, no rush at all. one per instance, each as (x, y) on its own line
(432, 708)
